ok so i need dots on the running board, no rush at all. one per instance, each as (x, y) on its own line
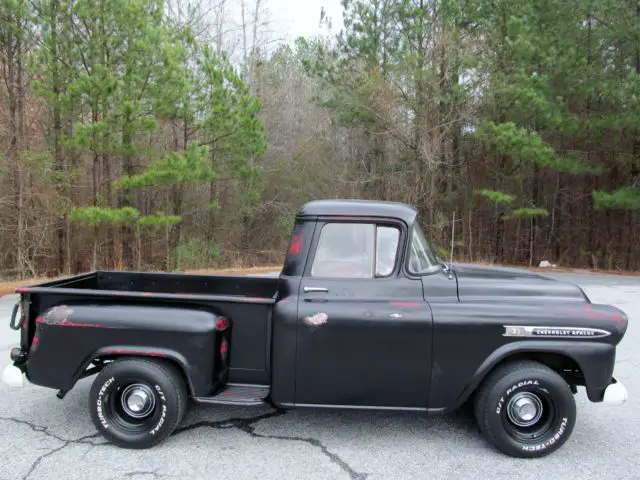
(238, 394)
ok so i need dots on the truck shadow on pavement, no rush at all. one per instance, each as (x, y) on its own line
(68, 424)
(320, 428)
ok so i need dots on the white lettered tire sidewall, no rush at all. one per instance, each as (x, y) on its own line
(100, 401)
(168, 390)
(541, 381)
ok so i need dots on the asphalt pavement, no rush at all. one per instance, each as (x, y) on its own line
(42, 437)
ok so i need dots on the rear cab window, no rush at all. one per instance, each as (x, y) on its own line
(356, 250)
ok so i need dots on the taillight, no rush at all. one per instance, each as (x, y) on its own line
(222, 324)
(17, 355)
(34, 343)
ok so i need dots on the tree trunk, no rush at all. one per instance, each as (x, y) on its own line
(126, 231)
(58, 163)
(12, 51)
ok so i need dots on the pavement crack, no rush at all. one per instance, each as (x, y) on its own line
(45, 431)
(84, 440)
(39, 460)
(34, 427)
(238, 422)
(141, 473)
(247, 425)
(66, 443)
(334, 457)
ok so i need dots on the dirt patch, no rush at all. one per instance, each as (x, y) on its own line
(236, 271)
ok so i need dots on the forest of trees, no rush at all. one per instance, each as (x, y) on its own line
(151, 135)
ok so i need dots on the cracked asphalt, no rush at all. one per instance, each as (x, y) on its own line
(42, 437)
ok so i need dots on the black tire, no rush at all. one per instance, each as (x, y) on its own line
(157, 385)
(533, 384)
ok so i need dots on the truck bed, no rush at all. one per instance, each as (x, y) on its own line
(247, 301)
(161, 284)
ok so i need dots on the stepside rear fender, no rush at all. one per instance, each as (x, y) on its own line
(68, 338)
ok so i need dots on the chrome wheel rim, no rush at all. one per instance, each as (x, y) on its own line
(524, 409)
(137, 400)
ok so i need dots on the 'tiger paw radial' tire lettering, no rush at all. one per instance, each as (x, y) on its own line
(525, 409)
(136, 402)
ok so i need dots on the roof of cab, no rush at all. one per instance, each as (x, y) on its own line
(359, 208)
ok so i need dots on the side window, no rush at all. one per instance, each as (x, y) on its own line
(386, 250)
(421, 258)
(355, 250)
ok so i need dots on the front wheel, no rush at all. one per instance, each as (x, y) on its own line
(525, 409)
(137, 403)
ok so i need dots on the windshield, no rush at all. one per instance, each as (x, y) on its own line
(421, 258)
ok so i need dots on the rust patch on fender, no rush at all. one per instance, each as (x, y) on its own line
(123, 351)
(60, 316)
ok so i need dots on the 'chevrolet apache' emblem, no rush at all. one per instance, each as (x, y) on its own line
(555, 332)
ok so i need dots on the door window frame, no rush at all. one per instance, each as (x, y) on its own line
(377, 222)
(407, 269)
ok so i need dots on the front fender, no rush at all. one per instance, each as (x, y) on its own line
(596, 361)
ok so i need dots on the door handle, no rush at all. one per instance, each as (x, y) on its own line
(315, 289)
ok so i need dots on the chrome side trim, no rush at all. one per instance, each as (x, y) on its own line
(553, 332)
(247, 385)
(353, 407)
(222, 401)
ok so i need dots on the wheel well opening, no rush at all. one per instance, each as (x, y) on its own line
(563, 365)
(105, 359)
(182, 374)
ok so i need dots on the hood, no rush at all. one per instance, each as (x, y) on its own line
(476, 283)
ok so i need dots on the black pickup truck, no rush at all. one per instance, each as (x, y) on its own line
(363, 315)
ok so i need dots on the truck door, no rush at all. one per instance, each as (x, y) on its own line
(364, 330)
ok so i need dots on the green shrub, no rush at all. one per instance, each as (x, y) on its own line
(194, 253)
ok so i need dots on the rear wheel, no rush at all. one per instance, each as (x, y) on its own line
(137, 403)
(525, 409)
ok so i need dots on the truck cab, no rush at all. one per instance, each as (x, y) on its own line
(359, 275)
(362, 315)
